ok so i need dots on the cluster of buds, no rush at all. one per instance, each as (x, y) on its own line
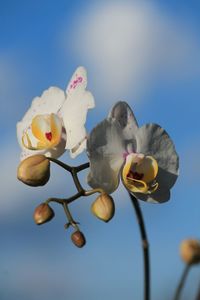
(35, 171)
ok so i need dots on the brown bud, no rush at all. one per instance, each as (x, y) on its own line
(190, 251)
(78, 239)
(103, 207)
(34, 170)
(43, 213)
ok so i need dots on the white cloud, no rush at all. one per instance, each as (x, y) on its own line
(127, 44)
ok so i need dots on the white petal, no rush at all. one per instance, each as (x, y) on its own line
(50, 102)
(74, 112)
(122, 112)
(78, 81)
(105, 149)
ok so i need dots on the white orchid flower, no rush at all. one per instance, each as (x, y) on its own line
(144, 157)
(55, 121)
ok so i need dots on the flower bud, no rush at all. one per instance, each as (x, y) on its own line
(43, 213)
(78, 239)
(103, 207)
(34, 170)
(190, 251)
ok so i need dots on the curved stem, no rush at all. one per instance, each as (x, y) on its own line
(67, 167)
(94, 191)
(69, 217)
(74, 197)
(145, 247)
(76, 181)
(182, 282)
(73, 171)
(67, 200)
(57, 200)
(82, 167)
(60, 163)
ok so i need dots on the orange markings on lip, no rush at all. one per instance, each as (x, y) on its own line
(48, 136)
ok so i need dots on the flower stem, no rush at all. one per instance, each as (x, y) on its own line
(82, 167)
(145, 247)
(60, 163)
(67, 167)
(76, 181)
(182, 282)
(69, 217)
(73, 171)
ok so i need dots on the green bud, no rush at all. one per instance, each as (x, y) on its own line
(103, 207)
(43, 213)
(34, 170)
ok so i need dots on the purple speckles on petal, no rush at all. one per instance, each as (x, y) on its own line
(76, 82)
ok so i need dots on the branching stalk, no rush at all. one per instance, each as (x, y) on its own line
(60, 163)
(70, 218)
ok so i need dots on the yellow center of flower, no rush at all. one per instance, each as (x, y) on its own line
(139, 173)
(44, 133)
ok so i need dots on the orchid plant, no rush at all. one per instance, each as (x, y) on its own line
(144, 157)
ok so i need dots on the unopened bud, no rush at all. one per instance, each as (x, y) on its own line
(43, 213)
(103, 207)
(190, 251)
(34, 170)
(78, 239)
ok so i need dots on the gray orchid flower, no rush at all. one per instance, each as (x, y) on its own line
(144, 157)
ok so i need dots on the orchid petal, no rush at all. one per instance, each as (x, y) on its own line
(50, 102)
(105, 149)
(122, 112)
(153, 140)
(74, 112)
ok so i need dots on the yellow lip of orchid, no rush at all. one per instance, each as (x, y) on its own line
(46, 129)
(139, 173)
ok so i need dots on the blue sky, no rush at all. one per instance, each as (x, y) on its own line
(146, 53)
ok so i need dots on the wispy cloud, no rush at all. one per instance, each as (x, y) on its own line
(129, 44)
